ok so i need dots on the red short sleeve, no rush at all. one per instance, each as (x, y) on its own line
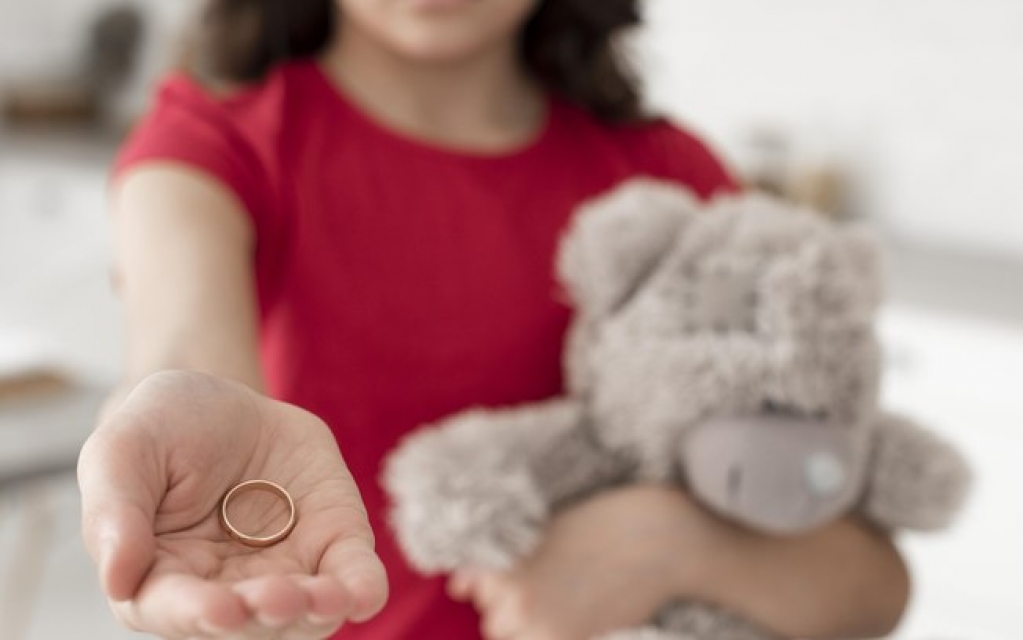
(189, 126)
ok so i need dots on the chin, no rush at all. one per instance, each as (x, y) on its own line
(438, 31)
(429, 49)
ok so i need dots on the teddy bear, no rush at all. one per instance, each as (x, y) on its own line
(727, 347)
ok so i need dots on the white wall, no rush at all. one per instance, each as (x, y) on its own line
(923, 97)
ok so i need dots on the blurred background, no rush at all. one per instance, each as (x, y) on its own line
(901, 113)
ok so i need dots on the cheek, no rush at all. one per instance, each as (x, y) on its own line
(437, 29)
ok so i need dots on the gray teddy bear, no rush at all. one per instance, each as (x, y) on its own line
(728, 347)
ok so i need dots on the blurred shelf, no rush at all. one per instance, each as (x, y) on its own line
(59, 144)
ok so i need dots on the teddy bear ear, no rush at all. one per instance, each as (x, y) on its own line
(617, 240)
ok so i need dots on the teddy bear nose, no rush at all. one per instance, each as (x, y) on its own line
(824, 473)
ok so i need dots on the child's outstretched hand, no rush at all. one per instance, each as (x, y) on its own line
(152, 476)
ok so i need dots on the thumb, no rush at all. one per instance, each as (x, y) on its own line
(462, 583)
(121, 486)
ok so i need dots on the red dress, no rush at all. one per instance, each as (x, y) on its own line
(400, 282)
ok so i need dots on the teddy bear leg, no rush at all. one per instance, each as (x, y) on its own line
(917, 480)
(647, 633)
(704, 622)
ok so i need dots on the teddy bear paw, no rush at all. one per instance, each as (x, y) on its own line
(456, 516)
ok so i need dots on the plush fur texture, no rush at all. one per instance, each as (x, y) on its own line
(916, 481)
(728, 347)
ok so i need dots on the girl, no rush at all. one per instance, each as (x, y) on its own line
(351, 206)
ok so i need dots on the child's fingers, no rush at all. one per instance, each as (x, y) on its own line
(274, 601)
(461, 583)
(183, 606)
(354, 564)
(328, 601)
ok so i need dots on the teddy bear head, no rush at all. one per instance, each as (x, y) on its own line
(688, 311)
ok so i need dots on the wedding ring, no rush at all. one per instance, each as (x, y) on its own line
(247, 487)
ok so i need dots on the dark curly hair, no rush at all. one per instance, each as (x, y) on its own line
(568, 45)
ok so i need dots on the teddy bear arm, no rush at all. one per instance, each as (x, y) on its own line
(917, 480)
(575, 466)
(464, 491)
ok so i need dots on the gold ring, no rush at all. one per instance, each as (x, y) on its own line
(257, 485)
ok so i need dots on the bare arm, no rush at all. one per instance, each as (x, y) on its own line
(630, 551)
(183, 267)
(844, 580)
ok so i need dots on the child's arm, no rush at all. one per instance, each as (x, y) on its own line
(628, 552)
(170, 444)
(183, 268)
(844, 580)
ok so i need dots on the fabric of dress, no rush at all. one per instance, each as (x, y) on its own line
(400, 281)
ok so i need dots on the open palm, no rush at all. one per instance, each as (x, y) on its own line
(152, 477)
